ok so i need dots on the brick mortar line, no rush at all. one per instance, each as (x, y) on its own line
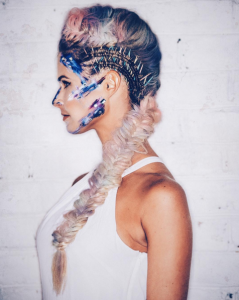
(19, 215)
(215, 216)
(19, 285)
(223, 252)
(213, 287)
(24, 249)
(204, 216)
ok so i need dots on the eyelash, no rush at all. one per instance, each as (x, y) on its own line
(66, 83)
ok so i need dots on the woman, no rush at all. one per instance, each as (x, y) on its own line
(123, 230)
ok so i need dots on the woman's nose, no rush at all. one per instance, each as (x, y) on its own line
(56, 102)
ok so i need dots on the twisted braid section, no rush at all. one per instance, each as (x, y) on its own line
(137, 126)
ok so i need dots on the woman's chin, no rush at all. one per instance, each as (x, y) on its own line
(73, 129)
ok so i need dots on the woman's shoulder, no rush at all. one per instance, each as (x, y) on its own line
(161, 193)
(164, 202)
(163, 184)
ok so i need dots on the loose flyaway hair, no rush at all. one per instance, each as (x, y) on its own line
(101, 37)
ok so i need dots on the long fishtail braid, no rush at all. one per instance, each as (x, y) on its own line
(137, 126)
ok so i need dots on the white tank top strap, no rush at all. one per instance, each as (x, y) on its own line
(141, 163)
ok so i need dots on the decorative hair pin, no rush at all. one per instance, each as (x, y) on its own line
(125, 62)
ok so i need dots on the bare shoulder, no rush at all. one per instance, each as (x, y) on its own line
(165, 202)
(79, 178)
(164, 191)
(167, 225)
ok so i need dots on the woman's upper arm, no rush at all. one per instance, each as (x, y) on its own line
(167, 224)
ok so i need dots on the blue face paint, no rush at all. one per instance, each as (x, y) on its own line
(98, 107)
(69, 62)
(57, 93)
(98, 110)
(84, 90)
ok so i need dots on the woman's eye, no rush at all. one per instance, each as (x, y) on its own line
(66, 84)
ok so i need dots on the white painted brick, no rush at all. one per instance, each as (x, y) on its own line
(192, 159)
(28, 59)
(6, 63)
(234, 246)
(26, 4)
(215, 269)
(211, 126)
(28, 292)
(200, 53)
(210, 234)
(20, 197)
(212, 197)
(67, 161)
(225, 293)
(8, 96)
(203, 126)
(31, 129)
(204, 17)
(199, 90)
(15, 163)
(19, 267)
(233, 87)
(31, 24)
(231, 161)
(19, 231)
(34, 95)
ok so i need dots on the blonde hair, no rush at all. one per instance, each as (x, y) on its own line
(96, 26)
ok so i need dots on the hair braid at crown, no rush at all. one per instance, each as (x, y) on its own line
(137, 126)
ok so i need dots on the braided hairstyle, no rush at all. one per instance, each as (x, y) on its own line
(100, 37)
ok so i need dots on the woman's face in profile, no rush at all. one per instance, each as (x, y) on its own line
(79, 102)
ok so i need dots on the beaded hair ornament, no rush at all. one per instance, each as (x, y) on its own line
(119, 59)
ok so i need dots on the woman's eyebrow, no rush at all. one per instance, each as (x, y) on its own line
(62, 76)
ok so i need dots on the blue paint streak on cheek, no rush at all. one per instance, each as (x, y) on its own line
(99, 110)
(85, 90)
(57, 93)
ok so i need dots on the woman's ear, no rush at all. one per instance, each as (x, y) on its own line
(112, 82)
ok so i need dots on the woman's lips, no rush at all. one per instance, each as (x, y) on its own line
(65, 117)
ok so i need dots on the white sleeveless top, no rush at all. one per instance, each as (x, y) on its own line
(100, 266)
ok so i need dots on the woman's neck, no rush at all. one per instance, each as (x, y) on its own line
(138, 156)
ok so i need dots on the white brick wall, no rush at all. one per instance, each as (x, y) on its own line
(198, 137)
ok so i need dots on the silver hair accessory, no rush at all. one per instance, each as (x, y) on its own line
(125, 62)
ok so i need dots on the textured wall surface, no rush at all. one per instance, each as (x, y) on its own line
(198, 137)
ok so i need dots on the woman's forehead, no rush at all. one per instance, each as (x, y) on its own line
(64, 71)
